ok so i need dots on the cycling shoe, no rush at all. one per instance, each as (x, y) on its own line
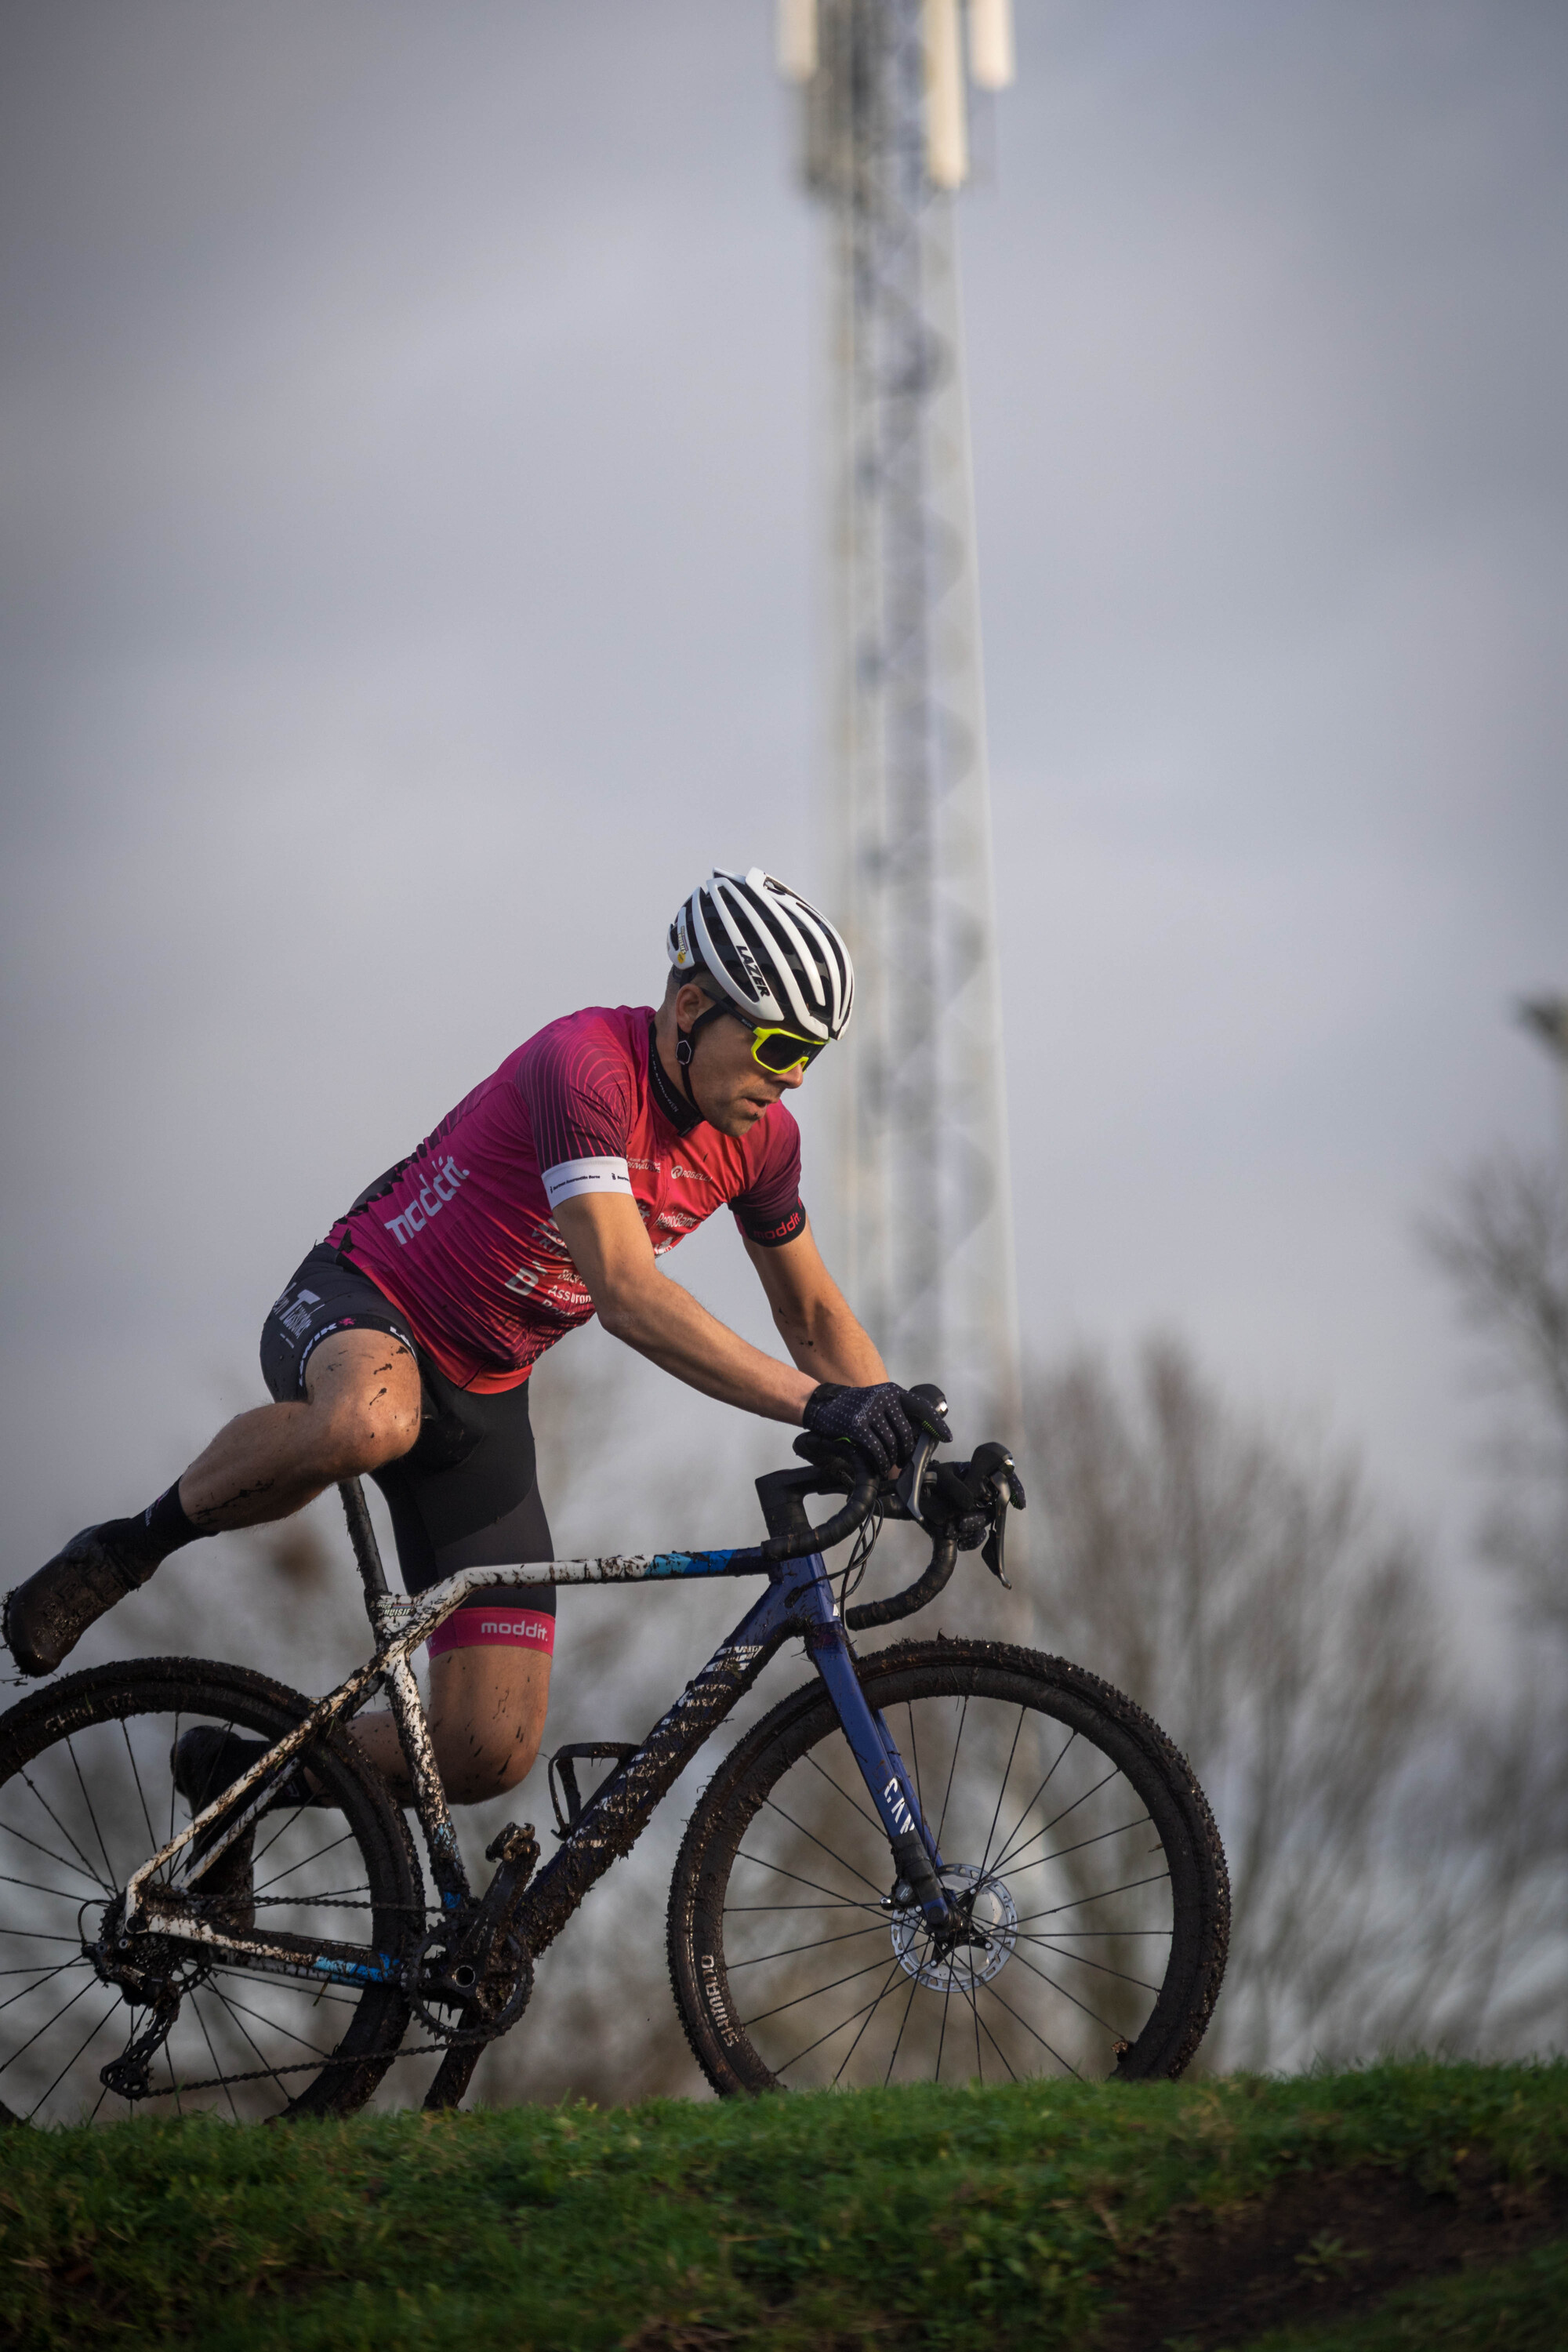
(205, 1761)
(47, 1617)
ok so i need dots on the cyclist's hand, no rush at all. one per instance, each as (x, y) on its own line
(883, 1423)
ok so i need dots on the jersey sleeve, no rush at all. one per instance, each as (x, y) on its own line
(769, 1210)
(578, 1092)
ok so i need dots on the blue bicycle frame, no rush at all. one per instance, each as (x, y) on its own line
(799, 1601)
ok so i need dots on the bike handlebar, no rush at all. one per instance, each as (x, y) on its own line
(936, 1498)
(801, 1537)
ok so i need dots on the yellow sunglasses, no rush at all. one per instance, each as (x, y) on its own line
(780, 1051)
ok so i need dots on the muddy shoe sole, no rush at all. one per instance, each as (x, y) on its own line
(47, 1617)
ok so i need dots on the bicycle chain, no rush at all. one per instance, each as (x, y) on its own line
(316, 2066)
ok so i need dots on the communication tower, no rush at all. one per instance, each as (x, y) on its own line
(927, 1235)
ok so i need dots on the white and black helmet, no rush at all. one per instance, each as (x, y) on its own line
(774, 957)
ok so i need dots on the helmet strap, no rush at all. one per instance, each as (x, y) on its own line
(685, 1046)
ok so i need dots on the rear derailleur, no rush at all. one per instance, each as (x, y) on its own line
(150, 1973)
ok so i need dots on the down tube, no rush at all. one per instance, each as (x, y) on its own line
(617, 1815)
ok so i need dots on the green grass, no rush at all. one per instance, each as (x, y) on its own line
(982, 2218)
(1518, 2307)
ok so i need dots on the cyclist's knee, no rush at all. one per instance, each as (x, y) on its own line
(486, 1719)
(477, 1763)
(362, 1391)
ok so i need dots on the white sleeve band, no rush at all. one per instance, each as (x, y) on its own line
(574, 1176)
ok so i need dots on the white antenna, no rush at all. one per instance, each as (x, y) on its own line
(927, 1238)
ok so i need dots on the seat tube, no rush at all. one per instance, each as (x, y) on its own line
(888, 1783)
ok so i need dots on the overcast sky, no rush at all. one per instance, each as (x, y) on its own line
(410, 523)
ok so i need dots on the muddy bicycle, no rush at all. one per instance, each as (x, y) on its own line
(940, 1860)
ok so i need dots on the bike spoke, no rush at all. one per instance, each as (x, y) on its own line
(1082, 1961)
(91, 1868)
(1001, 1791)
(951, 1769)
(1103, 2022)
(1034, 1801)
(821, 1944)
(78, 2052)
(1005, 1860)
(141, 1794)
(257, 1977)
(915, 1759)
(871, 2014)
(842, 2027)
(1016, 1870)
(1086, 1935)
(42, 1979)
(1065, 2062)
(817, 1992)
(799, 1827)
(844, 1902)
(241, 2008)
(732, 1909)
(1081, 1902)
(321, 1852)
(899, 2044)
(212, 2054)
(36, 1886)
(92, 1816)
(47, 1850)
(853, 1806)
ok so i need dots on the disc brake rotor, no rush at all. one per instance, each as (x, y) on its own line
(990, 1933)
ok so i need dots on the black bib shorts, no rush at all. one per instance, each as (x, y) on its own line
(467, 1493)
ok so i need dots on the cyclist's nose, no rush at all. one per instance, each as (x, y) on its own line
(792, 1077)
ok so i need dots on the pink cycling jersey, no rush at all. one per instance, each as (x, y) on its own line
(462, 1236)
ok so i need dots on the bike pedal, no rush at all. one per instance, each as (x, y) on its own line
(515, 1843)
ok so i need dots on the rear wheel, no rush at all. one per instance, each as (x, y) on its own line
(87, 1796)
(1078, 1847)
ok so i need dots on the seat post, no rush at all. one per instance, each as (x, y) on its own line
(362, 1535)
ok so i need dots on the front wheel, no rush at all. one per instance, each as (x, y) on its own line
(1078, 1848)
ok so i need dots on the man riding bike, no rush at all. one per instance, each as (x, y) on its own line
(403, 1345)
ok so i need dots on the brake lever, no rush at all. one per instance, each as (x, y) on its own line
(999, 1471)
(913, 1476)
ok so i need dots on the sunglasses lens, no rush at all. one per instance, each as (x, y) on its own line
(779, 1053)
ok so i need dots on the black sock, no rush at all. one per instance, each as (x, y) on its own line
(142, 1542)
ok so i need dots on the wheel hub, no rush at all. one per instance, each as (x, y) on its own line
(984, 1944)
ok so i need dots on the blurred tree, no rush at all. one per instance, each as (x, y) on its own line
(1243, 1591)
(1501, 1238)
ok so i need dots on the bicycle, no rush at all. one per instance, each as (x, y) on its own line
(939, 1861)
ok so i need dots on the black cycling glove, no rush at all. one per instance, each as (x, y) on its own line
(883, 1423)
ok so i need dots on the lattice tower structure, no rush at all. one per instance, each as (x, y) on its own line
(926, 1232)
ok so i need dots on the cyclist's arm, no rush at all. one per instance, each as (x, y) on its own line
(611, 1250)
(813, 1318)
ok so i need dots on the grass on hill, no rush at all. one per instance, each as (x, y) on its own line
(1418, 2205)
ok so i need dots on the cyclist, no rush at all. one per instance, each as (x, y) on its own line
(402, 1345)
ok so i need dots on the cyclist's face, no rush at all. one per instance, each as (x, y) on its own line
(733, 1088)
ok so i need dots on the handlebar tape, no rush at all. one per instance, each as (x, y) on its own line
(832, 1531)
(944, 1552)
